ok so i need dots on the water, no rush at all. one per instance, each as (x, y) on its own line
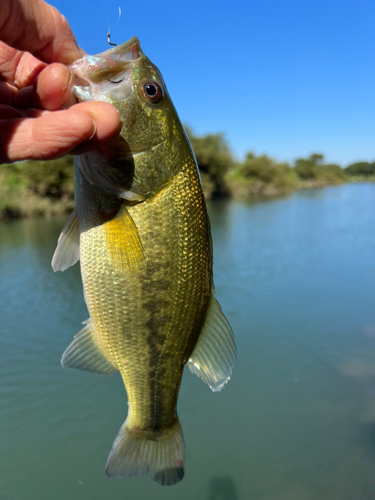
(296, 279)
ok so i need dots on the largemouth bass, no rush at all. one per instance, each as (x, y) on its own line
(141, 232)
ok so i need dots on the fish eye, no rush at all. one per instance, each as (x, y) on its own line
(152, 92)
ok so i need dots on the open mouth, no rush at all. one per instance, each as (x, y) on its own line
(127, 51)
(110, 63)
(96, 75)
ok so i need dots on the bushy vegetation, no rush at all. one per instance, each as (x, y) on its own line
(214, 159)
(33, 188)
(361, 169)
(261, 175)
(313, 169)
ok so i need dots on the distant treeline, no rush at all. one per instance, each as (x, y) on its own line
(32, 188)
(264, 176)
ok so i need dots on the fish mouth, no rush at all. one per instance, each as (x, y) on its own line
(113, 61)
(115, 65)
(127, 51)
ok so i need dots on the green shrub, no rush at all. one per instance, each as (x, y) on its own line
(332, 173)
(362, 168)
(54, 179)
(308, 168)
(261, 175)
(214, 159)
(313, 169)
(31, 188)
(262, 168)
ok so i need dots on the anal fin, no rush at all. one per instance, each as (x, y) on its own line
(215, 352)
(67, 250)
(85, 354)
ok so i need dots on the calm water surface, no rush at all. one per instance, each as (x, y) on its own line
(296, 279)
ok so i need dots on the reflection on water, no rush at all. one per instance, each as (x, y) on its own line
(358, 369)
(222, 488)
(295, 276)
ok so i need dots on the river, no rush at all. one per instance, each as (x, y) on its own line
(296, 279)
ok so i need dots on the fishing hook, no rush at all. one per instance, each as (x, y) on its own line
(109, 30)
(109, 39)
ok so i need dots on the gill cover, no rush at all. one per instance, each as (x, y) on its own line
(107, 77)
(136, 164)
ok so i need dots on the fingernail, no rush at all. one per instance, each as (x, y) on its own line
(120, 125)
(92, 135)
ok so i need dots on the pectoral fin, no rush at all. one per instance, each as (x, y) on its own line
(215, 352)
(107, 177)
(67, 250)
(123, 240)
(85, 354)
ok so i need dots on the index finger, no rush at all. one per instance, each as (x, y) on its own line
(37, 27)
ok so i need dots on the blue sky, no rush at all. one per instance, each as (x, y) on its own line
(285, 78)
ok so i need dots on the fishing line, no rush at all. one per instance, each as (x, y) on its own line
(109, 28)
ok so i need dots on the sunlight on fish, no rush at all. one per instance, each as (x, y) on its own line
(142, 234)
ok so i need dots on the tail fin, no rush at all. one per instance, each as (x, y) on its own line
(158, 454)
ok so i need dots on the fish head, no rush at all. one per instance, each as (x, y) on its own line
(139, 160)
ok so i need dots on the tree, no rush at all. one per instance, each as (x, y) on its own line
(214, 159)
(361, 168)
(263, 168)
(308, 168)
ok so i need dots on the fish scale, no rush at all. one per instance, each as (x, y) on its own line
(141, 231)
(170, 274)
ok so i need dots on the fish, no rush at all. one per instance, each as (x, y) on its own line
(141, 232)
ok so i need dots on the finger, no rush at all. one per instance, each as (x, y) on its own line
(58, 133)
(39, 28)
(9, 112)
(52, 90)
(54, 87)
(108, 124)
(18, 68)
(7, 93)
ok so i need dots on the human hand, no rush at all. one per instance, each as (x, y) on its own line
(36, 86)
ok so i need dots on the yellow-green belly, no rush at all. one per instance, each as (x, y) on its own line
(147, 316)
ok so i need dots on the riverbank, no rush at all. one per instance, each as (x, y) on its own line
(22, 202)
(22, 198)
(30, 189)
(34, 188)
(248, 189)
